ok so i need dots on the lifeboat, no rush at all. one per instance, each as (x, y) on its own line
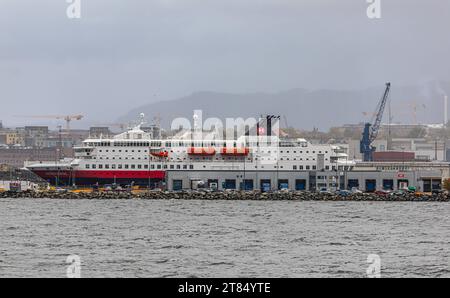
(159, 153)
(241, 151)
(201, 151)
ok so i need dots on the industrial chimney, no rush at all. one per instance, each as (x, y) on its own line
(445, 110)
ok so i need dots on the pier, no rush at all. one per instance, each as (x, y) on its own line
(231, 196)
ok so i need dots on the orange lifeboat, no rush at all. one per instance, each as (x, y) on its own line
(241, 151)
(201, 151)
(159, 153)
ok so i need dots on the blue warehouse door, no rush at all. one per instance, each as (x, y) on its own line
(371, 185)
(265, 185)
(300, 184)
(177, 184)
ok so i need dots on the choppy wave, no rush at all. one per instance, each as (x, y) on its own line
(117, 238)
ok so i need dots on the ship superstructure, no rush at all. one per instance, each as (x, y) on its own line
(135, 157)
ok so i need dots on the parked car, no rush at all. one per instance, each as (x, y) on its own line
(324, 190)
(343, 193)
(355, 190)
(398, 192)
(382, 192)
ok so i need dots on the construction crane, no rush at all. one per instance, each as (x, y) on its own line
(67, 118)
(370, 132)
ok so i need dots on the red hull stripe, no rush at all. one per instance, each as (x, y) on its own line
(107, 174)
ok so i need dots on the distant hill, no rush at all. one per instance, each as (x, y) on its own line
(307, 108)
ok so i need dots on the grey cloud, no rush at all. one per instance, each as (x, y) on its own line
(123, 54)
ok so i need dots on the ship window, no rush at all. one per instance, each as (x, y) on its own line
(307, 167)
(100, 166)
(158, 167)
(184, 167)
(113, 166)
(301, 167)
(145, 166)
(152, 166)
(106, 166)
(313, 167)
(133, 166)
(139, 166)
(327, 167)
(178, 167)
(191, 167)
(87, 166)
(165, 166)
(294, 167)
(172, 167)
(126, 166)
(94, 166)
(119, 166)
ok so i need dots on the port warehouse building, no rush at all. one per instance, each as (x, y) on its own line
(366, 176)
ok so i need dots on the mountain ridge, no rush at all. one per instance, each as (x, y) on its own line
(304, 108)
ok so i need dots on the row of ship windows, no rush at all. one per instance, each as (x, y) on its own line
(261, 151)
(209, 158)
(185, 144)
(139, 167)
(179, 167)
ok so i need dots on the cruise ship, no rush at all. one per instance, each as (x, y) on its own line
(136, 157)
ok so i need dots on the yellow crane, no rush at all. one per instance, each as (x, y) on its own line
(67, 118)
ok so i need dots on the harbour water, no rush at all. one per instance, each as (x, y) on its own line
(177, 238)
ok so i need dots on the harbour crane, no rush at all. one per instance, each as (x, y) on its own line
(67, 118)
(371, 130)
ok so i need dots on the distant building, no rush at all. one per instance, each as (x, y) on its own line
(154, 130)
(99, 132)
(16, 157)
(35, 135)
(393, 156)
(423, 149)
(11, 137)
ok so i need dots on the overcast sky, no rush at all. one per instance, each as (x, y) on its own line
(125, 53)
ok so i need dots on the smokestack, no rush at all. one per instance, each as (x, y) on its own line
(445, 110)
